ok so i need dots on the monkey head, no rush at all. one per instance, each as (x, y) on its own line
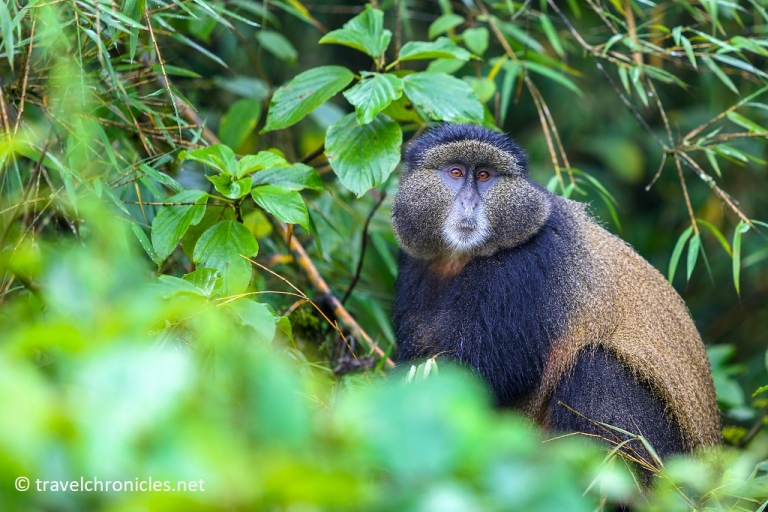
(465, 192)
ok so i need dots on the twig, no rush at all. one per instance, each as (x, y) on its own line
(363, 244)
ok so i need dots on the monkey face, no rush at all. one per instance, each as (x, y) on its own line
(466, 198)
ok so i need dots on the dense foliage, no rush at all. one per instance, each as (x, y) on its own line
(196, 260)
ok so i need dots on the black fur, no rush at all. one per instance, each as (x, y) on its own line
(498, 315)
(446, 133)
(601, 389)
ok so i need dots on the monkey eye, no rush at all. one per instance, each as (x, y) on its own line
(483, 175)
(456, 172)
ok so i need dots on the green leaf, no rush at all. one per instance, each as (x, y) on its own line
(363, 156)
(278, 45)
(741, 228)
(740, 64)
(554, 75)
(168, 286)
(745, 123)
(373, 94)
(484, 88)
(293, 177)
(693, 254)
(719, 73)
(689, 51)
(442, 97)
(365, 32)
(402, 110)
(161, 177)
(171, 222)
(551, 34)
(141, 236)
(206, 279)
(513, 31)
(447, 66)
(174, 71)
(287, 205)
(678, 251)
(6, 28)
(213, 214)
(255, 315)
(443, 24)
(476, 39)
(711, 156)
(442, 48)
(239, 122)
(221, 247)
(720, 237)
(305, 93)
(230, 187)
(218, 156)
(261, 160)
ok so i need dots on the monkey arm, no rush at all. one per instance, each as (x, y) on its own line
(603, 390)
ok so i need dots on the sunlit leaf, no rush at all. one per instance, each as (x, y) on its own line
(365, 32)
(218, 156)
(261, 160)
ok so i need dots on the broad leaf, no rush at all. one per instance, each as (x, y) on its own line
(305, 93)
(207, 279)
(363, 156)
(171, 222)
(255, 315)
(443, 24)
(293, 177)
(230, 187)
(218, 156)
(373, 94)
(213, 214)
(443, 98)
(261, 160)
(287, 205)
(476, 39)
(221, 248)
(365, 32)
(239, 122)
(441, 48)
(168, 286)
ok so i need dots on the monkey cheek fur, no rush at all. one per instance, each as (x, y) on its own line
(463, 235)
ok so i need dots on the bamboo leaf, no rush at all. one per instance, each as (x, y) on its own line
(678, 251)
(693, 254)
